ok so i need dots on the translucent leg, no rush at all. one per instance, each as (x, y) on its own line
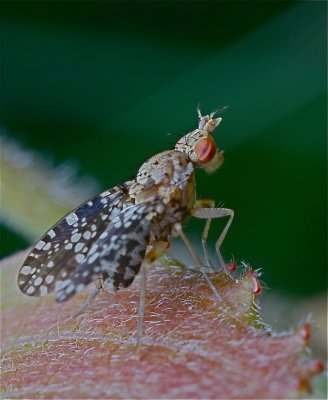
(82, 307)
(154, 251)
(198, 261)
(87, 302)
(142, 302)
(201, 204)
(210, 213)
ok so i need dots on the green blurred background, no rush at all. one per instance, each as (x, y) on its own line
(102, 83)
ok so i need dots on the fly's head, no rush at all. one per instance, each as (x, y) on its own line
(199, 146)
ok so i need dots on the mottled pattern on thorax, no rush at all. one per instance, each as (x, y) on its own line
(168, 177)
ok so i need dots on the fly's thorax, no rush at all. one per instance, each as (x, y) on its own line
(164, 168)
(161, 176)
(167, 181)
(199, 146)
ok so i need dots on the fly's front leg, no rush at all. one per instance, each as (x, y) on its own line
(177, 231)
(202, 204)
(209, 214)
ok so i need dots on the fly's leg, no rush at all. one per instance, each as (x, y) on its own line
(87, 302)
(154, 251)
(210, 213)
(202, 204)
(142, 302)
(179, 231)
(84, 305)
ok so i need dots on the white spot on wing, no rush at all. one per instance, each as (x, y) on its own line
(72, 218)
(58, 285)
(78, 247)
(40, 245)
(76, 237)
(47, 246)
(38, 281)
(129, 273)
(49, 278)
(70, 288)
(51, 233)
(104, 194)
(87, 235)
(26, 270)
(93, 258)
(103, 235)
(43, 290)
(30, 290)
(93, 249)
(79, 257)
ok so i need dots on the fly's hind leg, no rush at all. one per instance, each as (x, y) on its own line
(87, 302)
(209, 214)
(142, 302)
(154, 251)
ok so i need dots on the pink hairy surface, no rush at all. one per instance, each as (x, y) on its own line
(193, 346)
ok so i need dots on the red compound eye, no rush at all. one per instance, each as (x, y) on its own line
(205, 149)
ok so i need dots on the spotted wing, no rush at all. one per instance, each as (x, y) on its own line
(117, 254)
(64, 247)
